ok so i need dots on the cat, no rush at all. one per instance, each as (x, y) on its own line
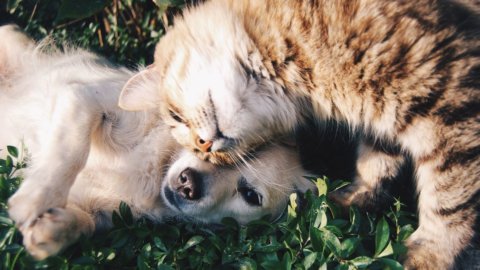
(406, 74)
(86, 155)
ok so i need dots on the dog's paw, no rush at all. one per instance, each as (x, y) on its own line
(30, 201)
(50, 233)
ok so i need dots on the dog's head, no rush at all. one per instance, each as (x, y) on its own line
(204, 192)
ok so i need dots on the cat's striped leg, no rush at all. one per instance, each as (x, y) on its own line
(449, 203)
(376, 167)
(447, 162)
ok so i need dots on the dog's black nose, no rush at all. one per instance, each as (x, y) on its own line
(189, 184)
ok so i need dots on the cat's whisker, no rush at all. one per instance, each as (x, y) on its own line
(258, 174)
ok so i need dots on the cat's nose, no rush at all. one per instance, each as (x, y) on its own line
(204, 145)
(189, 184)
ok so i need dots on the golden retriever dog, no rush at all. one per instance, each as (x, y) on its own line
(85, 155)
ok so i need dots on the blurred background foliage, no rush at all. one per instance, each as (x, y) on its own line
(125, 31)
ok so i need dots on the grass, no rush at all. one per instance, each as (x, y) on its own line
(313, 234)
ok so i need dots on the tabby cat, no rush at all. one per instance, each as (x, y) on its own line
(405, 73)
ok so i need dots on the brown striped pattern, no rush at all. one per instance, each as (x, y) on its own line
(406, 71)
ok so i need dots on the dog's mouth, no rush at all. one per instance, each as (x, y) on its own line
(171, 199)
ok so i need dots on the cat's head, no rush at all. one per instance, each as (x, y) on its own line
(212, 88)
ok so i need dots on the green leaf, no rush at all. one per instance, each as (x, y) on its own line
(142, 264)
(390, 264)
(13, 151)
(349, 246)
(355, 220)
(398, 205)
(12, 5)
(399, 249)
(147, 249)
(323, 266)
(292, 206)
(159, 244)
(74, 9)
(331, 241)
(126, 213)
(334, 229)
(164, 4)
(6, 236)
(387, 251)
(286, 261)
(270, 264)
(342, 266)
(164, 267)
(405, 232)
(362, 261)
(246, 264)
(271, 247)
(322, 219)
(6, 221)
(310, 258)
(121, 238)
(382, 236)
(338, 185)
(116, 219)
(9, 163)
(111, 255)
(316, 238)
(195, 240)
(321, 186)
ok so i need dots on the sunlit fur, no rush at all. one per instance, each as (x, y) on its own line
(85, 155)
(406, 73)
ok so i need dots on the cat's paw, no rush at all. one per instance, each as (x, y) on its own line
(30, 201)
(349, 195)
(363, 196)
(422, 256)
(50, 233)
(426, 254)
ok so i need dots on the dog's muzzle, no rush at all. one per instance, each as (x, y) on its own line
(186, 188)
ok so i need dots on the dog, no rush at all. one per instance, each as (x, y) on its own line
(85, 155)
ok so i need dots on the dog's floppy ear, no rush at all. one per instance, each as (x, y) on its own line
(13, 44)
(140, 92)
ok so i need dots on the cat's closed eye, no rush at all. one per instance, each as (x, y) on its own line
(175, 116)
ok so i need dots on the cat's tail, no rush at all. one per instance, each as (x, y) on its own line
(14, 44)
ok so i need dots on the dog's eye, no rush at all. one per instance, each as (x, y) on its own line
(250, 196)
(175, 116)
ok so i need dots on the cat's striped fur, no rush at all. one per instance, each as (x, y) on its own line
(403, 72)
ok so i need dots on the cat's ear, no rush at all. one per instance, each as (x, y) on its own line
(140, 92)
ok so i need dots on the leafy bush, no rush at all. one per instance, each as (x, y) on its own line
(313, 234)
(125, 31)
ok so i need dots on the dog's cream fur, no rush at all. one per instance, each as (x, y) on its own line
(85, 155)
